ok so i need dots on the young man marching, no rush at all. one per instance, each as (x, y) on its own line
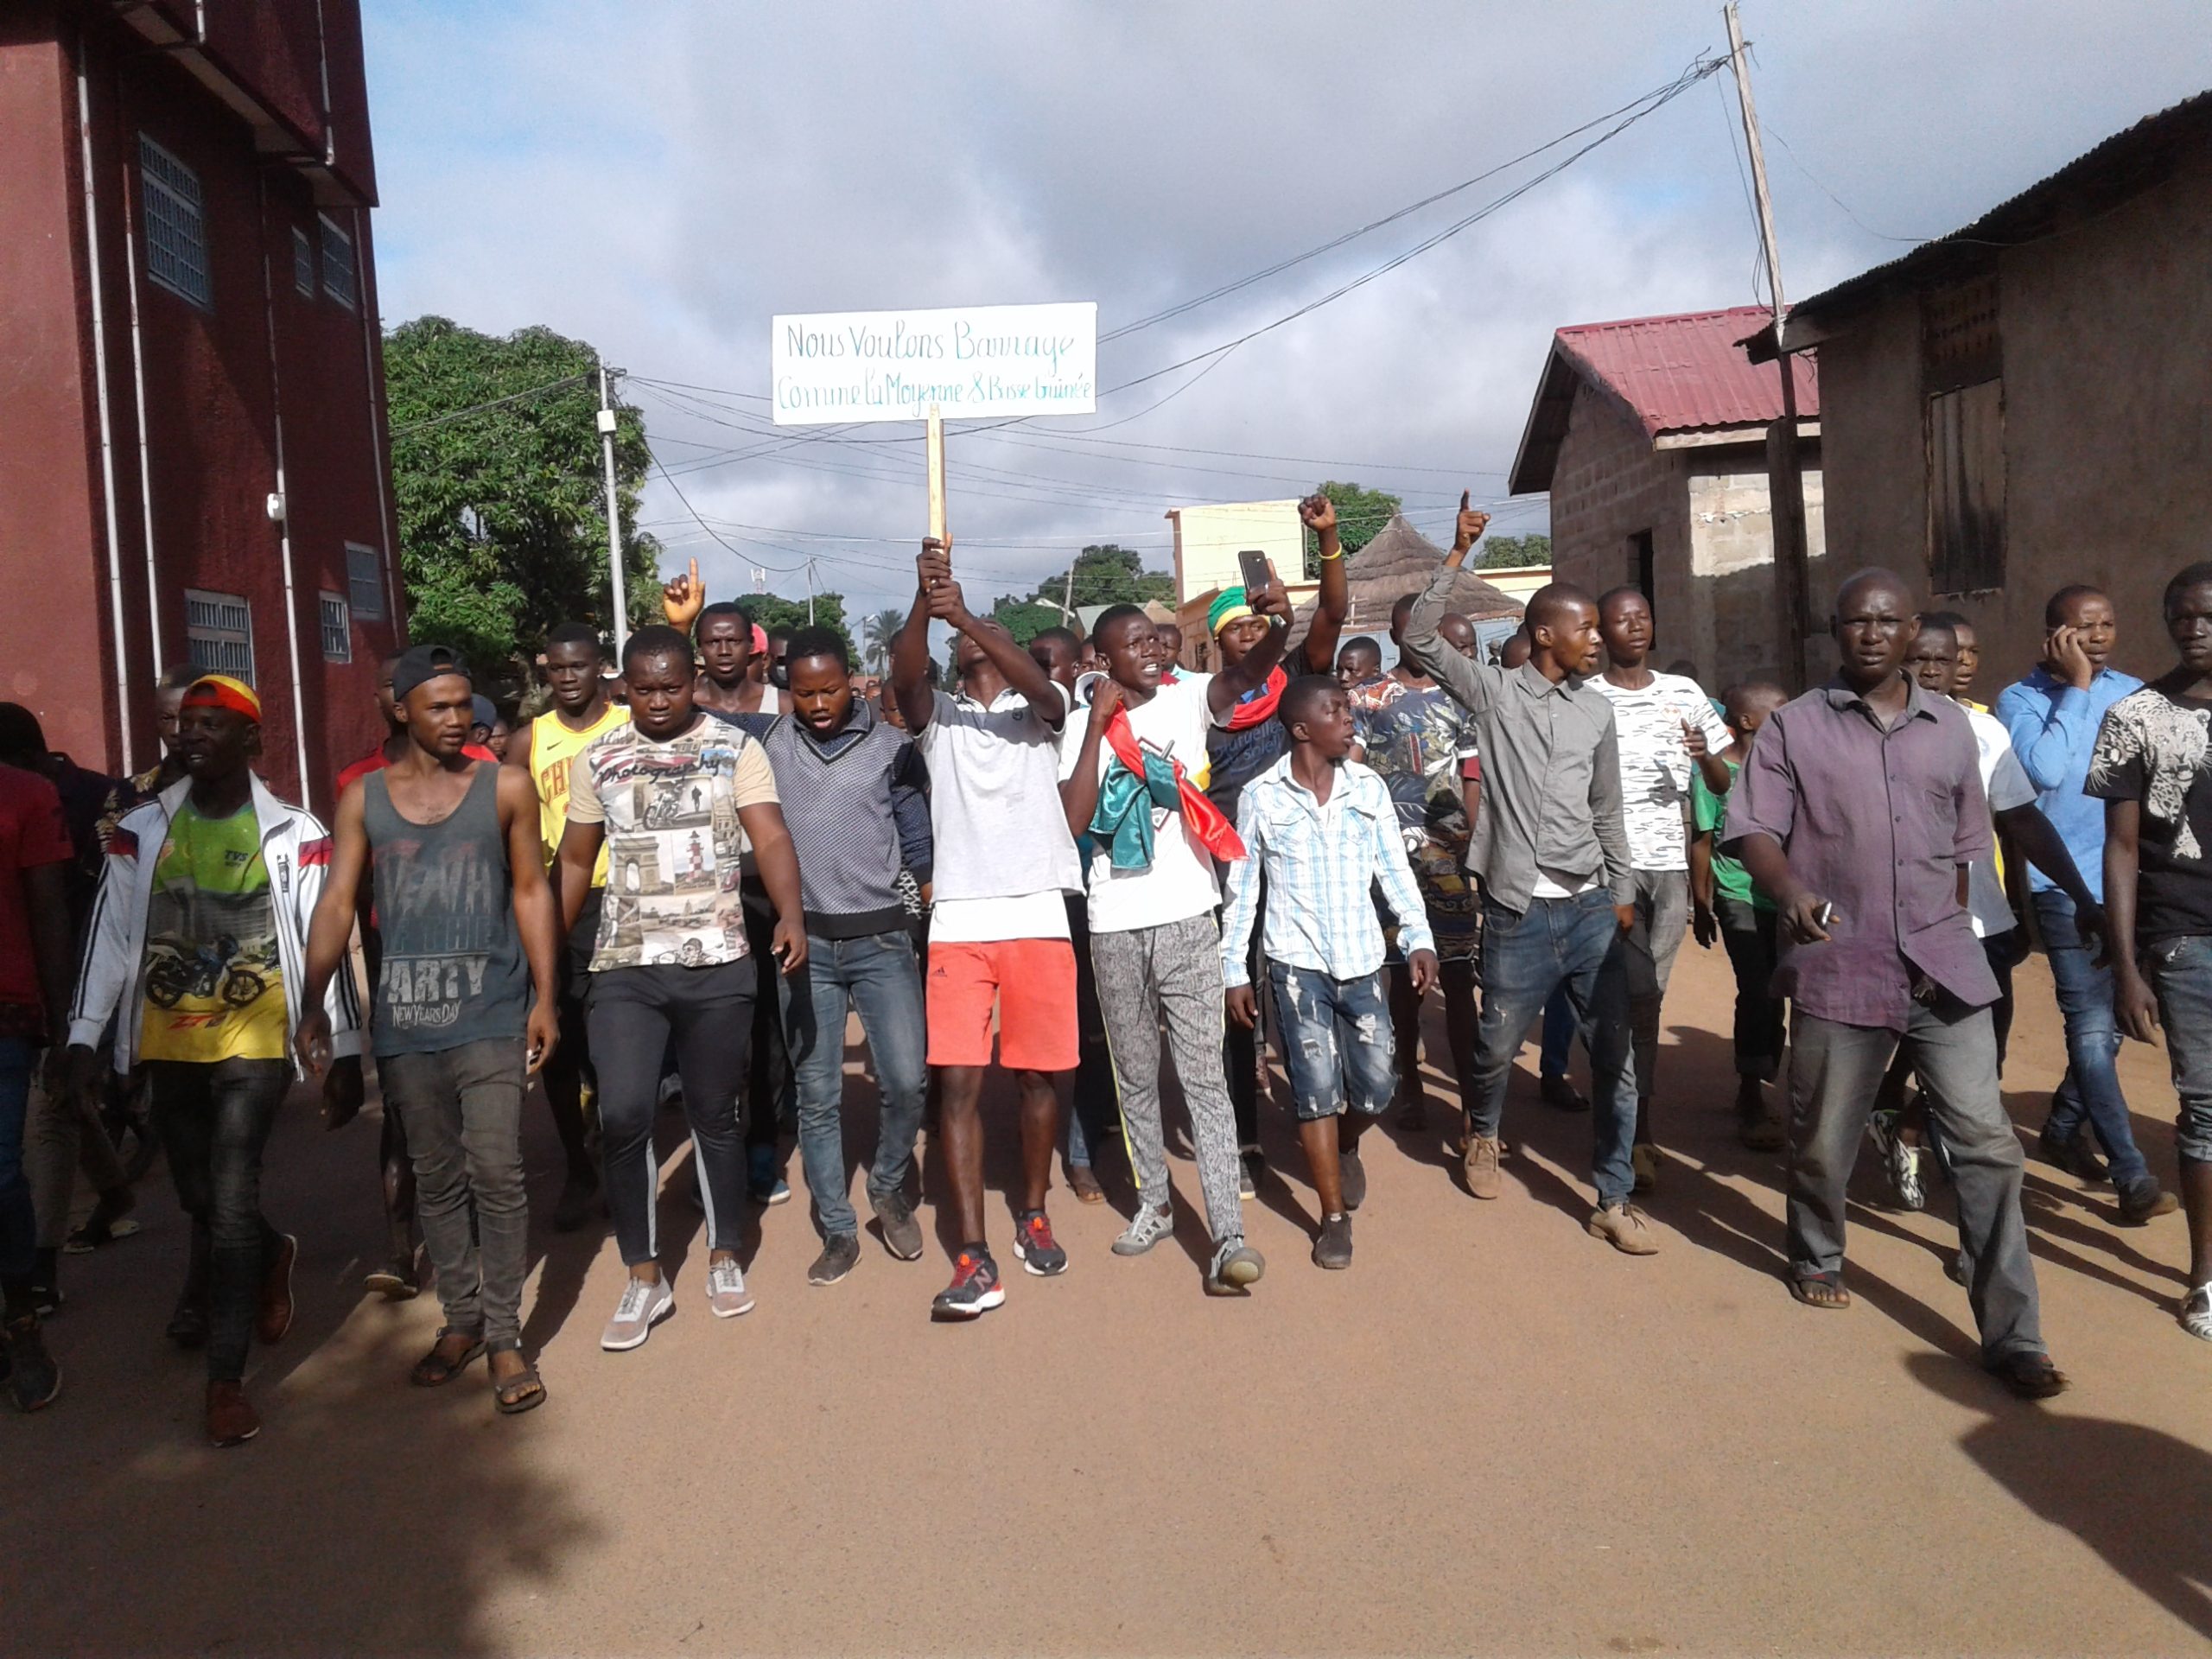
(1551, 850)
(582, 712)
(1860, 810)
(467, 930)
(199, 937)
(1324, 833)
(673, 797)
(838, 770)
(998, 927)
(1133, 784)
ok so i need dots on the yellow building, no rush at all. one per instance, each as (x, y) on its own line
(1207, 541)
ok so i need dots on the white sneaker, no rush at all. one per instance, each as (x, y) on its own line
(726, 1292)
(1905, 1177)
(2197, 1313)
(1145, 1228)
(642, 1307)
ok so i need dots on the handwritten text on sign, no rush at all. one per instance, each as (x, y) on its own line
(972, 361)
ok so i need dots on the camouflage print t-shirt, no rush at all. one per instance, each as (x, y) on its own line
(674, 844)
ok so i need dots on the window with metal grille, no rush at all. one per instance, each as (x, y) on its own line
(303, 262)
(176, 237)
(219, 632)
(365, 581)
(337, 262)
(1966, 489)
(337, 629)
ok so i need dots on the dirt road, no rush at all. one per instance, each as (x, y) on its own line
(1493, 1434)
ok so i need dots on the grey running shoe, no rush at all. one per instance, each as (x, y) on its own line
(902, 1234)
(726, 1293)
(840, 1254)
(1235, 1268)
(1334, 1249)
(642, 1307)
(1145, 1228)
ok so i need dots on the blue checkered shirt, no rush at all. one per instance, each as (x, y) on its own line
(1322, 861)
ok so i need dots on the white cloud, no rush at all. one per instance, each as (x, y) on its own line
(662, 179)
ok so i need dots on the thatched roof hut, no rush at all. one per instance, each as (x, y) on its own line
(1398, 562)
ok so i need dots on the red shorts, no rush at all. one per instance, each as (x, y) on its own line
(1033, 982)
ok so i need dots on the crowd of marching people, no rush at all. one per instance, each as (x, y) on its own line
(679, 881)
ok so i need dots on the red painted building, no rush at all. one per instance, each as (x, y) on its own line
(193, 451)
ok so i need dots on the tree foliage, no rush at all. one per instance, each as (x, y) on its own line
(774, 613)
(1361, 515)
(502, 510)
(1106, 574)
(1509, 552)
(1025, 619)
(877, 634)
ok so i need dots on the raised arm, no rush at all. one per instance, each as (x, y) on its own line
(1470, 683)
(1079, 788)
(2049, 732)
(1333, 603)
(910, 652)
(1020, 670)
(1223, 689)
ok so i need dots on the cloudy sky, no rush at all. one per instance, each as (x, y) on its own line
(662, 179)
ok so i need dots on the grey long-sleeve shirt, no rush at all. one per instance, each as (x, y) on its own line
(1551, 779)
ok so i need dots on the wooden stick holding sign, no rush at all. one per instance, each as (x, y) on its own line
(936, 474)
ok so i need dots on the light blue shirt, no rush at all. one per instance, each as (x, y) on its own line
(1322, 860)
(2053, 725)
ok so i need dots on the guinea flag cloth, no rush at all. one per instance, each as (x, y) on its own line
(1137, 781)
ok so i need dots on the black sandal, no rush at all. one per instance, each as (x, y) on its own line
(524, 1391)
(1836, 1300)
(434, 1370)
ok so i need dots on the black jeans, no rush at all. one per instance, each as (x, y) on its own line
(635, 1015)
(771, 1085)
(1748, 932)
(565, 1071)
(1240, 1045)
(213, 1121)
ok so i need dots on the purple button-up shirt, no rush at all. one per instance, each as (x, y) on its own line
(1880, 821)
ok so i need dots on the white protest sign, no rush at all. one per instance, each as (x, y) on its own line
(970, 361)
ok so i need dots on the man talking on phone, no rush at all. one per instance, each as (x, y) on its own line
(1878, 948)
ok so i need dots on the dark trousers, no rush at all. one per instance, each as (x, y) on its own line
(771, 1085)
(463, 1110)
(1096, 1106)
(1240, 1044)
(570, 1062)
(1748, 933)
(214, 1121)
(636, 1014)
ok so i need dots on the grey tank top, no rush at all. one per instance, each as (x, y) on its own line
(453, 970)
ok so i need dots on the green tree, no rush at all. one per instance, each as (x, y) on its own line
(1361, 515)
(877, 634)
(773, 614)
(502, 509)
(1508, 552)
(1025, 619)
(1106, 574)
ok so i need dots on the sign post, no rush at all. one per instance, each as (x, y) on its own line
(936, 474)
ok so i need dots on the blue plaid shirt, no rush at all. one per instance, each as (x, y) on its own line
(1322, 861)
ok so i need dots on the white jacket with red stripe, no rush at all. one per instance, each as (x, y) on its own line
(295, 847)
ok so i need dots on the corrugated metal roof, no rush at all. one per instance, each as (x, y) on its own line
(1685, 373)
(2093, 183)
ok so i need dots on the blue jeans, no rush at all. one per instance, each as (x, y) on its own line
(2091, 1086)
(1559, 1034)
(18, 1228)
(877, 975)
(1570, 946)
(2180, 972)
(1337, 1045)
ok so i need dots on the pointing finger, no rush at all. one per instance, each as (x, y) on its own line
(1465, 496)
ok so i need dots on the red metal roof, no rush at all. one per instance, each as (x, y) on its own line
(1688, 373)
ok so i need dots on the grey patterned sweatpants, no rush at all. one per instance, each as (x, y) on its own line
(1171, 972)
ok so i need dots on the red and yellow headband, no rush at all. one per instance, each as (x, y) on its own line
(221, 691)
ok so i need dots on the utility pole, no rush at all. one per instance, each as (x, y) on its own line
(810, 593)
(1785, 481)
(617, 590)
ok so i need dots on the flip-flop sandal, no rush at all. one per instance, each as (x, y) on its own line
(524, 1391)
(434, 1370)
(94, 1233)
(1803, 1290)
(391, 1284)
(2197, 1313)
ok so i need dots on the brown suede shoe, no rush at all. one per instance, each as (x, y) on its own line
(230, 1419)
(274, 1316)
(1483, 1152)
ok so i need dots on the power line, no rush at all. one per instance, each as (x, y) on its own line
(478, 409)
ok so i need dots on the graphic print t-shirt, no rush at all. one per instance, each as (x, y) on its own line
(675, 847)
(1417, 741)
(213, 988)
(1654, 766)
(2155, 747)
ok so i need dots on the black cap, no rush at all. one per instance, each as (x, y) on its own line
(420, 662)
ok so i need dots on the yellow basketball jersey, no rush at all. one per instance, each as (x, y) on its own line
(552, 747)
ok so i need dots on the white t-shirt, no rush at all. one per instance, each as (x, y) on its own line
(995, 813)
(1654, 766)
(1181, 883)
(2004, 780)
